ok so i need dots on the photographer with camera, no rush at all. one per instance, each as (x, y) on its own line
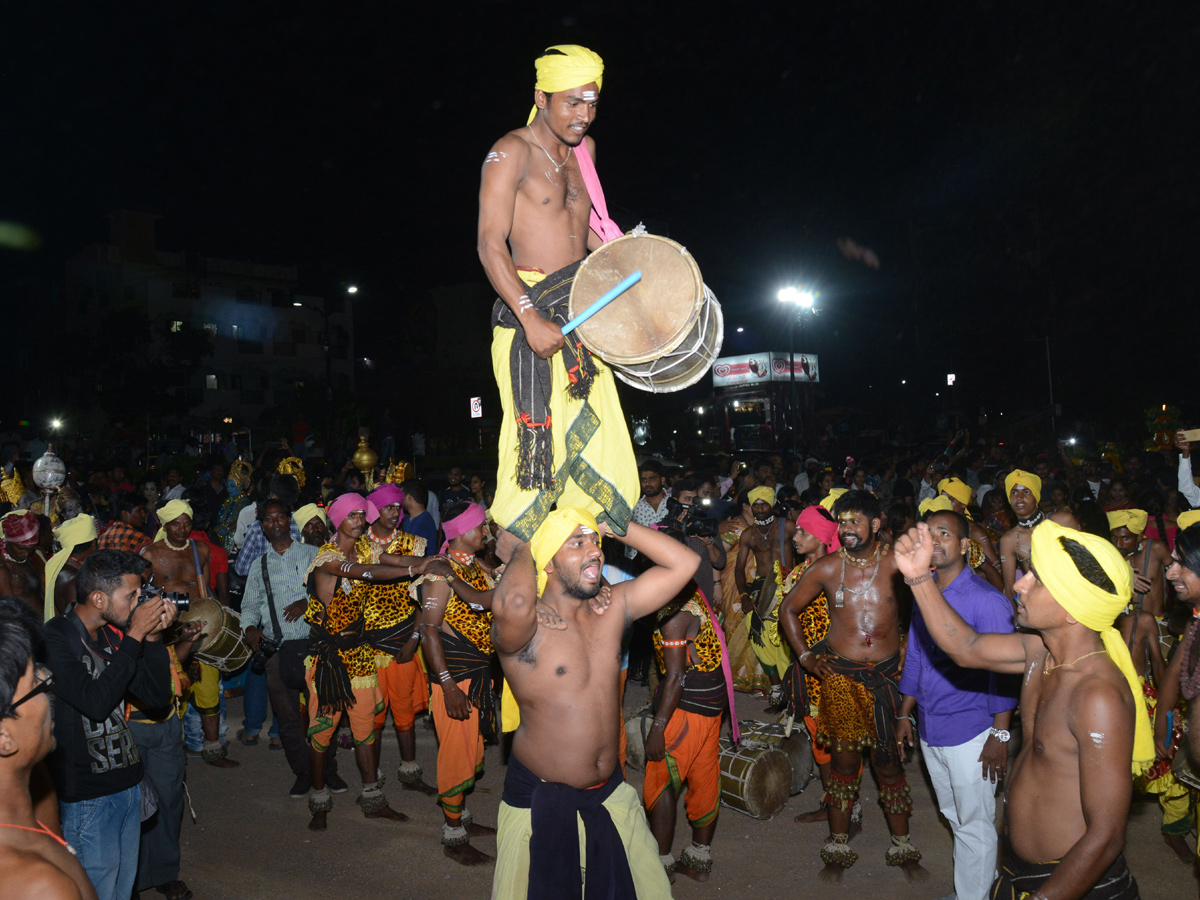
(107, 646)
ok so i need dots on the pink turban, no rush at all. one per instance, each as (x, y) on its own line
(823, 529)
(386, 495)
(468, 520)
(346, 504)
(21, 528)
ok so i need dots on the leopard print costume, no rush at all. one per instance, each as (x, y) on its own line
(385, 605)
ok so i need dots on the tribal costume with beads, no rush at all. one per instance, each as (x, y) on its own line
(391, 620)
(1174, 798)
(343, 660)
(770, 646)
(467, 650)
(748, 674)
(692, 736)
(858, 705)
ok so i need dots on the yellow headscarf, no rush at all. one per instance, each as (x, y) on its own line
(70, 534)
(1133, 519)
(307, 513)
(169, 513)
(576, 66)
(940, 503)
(764, 493)
(956, 488)
(1025, 479)
(550, 536)
(1187, 519)
(832, 498)
(1094, 608)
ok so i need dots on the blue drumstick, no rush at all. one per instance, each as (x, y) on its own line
(608, 298)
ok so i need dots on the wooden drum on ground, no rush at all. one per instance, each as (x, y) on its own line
(755, 781)
(796, 745)
(662, 334)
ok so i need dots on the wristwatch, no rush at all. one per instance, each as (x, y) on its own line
(1001, 735)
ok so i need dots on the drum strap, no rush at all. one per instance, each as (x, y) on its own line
(725, 669)
(605, 227)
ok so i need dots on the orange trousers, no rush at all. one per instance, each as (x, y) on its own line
(693, 756)
(460, 752)
(367, 703)
(405, 690)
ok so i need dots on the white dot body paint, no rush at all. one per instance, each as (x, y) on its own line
(495, 156)
(589, 95)
(1098, 738)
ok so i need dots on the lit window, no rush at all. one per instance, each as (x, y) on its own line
(176, 326)
(210, 328)
(235, 331)
(210, 382)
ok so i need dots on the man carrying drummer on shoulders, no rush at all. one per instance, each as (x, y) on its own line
(562, 436)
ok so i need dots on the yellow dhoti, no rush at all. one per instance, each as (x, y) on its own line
(594, 464)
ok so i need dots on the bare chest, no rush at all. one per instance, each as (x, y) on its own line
(176, 572)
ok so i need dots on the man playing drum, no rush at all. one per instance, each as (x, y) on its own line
(562, 434)
(180, 565)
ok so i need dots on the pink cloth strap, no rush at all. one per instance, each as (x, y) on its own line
(725, 669)
(599, 220)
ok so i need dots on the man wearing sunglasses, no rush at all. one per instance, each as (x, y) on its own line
(34, 860)
(105, 647)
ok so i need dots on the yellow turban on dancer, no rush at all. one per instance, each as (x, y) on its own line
(1133, 519)
(1094, 608)
(832, 498)
(957, 489)
(1187, 519)
(765, 494)
(547, 540)
(70, 534)
(935, 504)
(570, 67)
(1025, 479)
(169, 513)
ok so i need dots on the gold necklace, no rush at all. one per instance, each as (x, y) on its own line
(1047, 668)
(862, 563)
(558, 166)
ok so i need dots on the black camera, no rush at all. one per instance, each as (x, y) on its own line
(687, 520)
(181, 599)
(266, 649)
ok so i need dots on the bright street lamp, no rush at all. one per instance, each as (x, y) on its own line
(804, 300)
(352, 290)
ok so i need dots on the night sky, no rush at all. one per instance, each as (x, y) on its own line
(1020, 169)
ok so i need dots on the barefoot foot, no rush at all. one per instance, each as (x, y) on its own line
(809, 818)
(474, 829)
(914, 872)
(317, 822)
(1179, 845)
(387, 813)
(831, 874)
(466, 855)
(683, 868)
(427, 789)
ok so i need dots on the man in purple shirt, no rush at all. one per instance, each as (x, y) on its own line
(964, 713)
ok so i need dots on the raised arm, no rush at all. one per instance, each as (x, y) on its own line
(1103, 788)
(674, 565)
(967, 647)
(514, 601)
(504, 169)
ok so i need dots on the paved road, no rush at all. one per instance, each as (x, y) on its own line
(251, 841)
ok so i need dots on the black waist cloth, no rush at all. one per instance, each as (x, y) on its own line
(554, 843)
(704, 693)
(1018, 877)
(392, 638)
(465, 660)
(531, 377)
(330, 678)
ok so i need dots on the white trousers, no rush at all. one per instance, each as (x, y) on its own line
(969, 804)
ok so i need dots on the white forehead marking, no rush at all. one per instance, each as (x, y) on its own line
(589, 95)
(586, 530)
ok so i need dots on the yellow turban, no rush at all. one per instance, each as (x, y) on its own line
(1133, 519)
(1094, 608)
(547, 540)
(764, 493)
(1187, 519)
(169, 513)
(70, 534)
(832, 498)
(1025, 479)
(956, 488)
(307, 513)
(574, 67)
(552, 534)
(935, 504)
